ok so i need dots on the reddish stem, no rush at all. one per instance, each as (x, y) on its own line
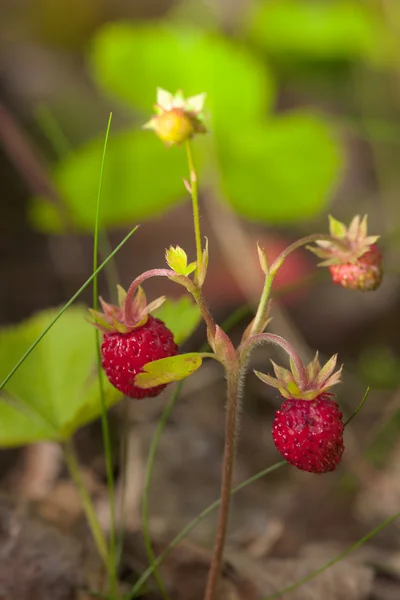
(277, 340)
(136, 283)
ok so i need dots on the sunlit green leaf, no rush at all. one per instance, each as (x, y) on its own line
(344, 29)
(131, 61)
(283, 171)
(55, 391)
(180, 316)
(166, 370)
(141, 179)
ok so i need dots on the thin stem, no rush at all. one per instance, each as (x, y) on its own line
(195, 205)
(359, 407)
(62, 147)
(74, 470)
(226, 485)
(335, 560)
(149, 470)
(276, 265)
(315, 237)
(64, 308)
(277, 340)
(137, 282)
(112, 567)
(263, 304)
(190, 526)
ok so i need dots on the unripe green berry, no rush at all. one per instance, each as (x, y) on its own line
(174, 126)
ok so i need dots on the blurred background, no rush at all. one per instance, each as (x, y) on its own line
(303, 103)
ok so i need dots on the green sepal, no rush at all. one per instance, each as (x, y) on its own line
(262, 255)
(337, 228)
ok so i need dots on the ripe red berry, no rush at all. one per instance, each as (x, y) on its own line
(309, 433)
(365, 274)
(124, 355)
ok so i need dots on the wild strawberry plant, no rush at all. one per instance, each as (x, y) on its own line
(139, 354)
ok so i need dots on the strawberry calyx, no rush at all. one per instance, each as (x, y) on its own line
(347, 245)
(115, 318)
(317, 379)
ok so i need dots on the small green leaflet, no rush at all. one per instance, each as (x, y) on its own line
(166, 370)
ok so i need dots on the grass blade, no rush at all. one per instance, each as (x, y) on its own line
(190, 526)
(65, 307)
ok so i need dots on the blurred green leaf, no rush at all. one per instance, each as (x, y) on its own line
(283, 171)
(141, 179)
(380, 367)
(346, 29)
(166, 370)
(131, 61)
(180, 316)
(56, 390)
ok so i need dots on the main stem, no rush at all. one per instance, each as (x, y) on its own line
(226, 485)
(194, 192)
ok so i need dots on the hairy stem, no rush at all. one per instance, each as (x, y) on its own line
(194, 192)
(315, 237)
(205, 311)
(74, 470)
(226, 485)
(137, 282)
(277, 340)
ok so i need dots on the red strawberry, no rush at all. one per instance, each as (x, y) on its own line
(124, 355)
(132, 338)
(353, 258)
(308, 428)
(365, 274)
(309, 433)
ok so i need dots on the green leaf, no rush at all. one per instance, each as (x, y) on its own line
(131, 61)
(343, 29)
(283, 171)
(166, 370)
(56, 390)
(141, 179)
(180, 316)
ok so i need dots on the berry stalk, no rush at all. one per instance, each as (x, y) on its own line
(259, 319)
(277, 340)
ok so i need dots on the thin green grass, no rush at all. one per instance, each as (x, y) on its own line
(65, 307)
(112, 567)
(335, 560)
(62, 148)
(136, 589)
(149, 471)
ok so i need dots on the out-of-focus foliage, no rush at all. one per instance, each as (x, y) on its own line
(319, 30)
(269, 168)
(140, 179)
(56, 389)
(180, 316)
